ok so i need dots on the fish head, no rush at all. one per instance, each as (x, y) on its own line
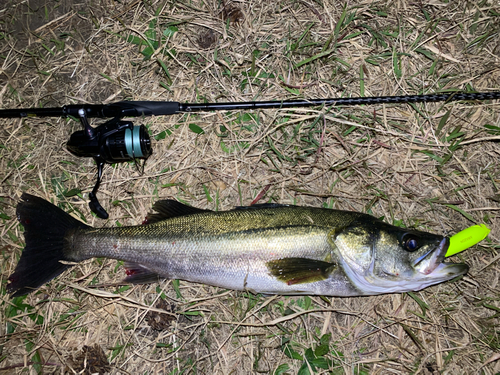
(381, 258)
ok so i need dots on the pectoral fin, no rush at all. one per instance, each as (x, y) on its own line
(300, 270)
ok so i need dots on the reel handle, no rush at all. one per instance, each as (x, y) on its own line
(94, 204)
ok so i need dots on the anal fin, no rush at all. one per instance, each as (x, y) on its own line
(300, 270)
(138, 274)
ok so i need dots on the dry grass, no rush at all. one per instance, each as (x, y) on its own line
(431, 166)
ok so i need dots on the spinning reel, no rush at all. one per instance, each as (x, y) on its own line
(117, 141)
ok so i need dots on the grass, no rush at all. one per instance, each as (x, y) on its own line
(427, 166)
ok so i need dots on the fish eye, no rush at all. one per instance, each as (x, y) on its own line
(410, 243)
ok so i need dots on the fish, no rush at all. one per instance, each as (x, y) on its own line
(266, 248)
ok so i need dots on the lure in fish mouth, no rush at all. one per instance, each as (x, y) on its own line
(270, 248)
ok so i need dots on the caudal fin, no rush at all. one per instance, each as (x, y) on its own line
(45, 232)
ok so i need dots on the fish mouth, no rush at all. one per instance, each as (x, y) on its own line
(428, 262)
(448, 271)
(433, 263)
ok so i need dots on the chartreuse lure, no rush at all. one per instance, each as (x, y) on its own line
(467, 238)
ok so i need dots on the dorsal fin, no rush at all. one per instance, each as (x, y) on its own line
(262, 205)
(166, 209)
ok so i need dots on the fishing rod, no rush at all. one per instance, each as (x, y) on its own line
(117, 141)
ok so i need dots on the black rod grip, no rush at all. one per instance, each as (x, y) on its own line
(32, 112)
(147, 108)
(118, 109)
(125, 109)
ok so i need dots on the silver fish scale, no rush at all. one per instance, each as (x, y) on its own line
(229, 249)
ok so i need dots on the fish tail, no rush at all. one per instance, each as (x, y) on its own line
(47, 229)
